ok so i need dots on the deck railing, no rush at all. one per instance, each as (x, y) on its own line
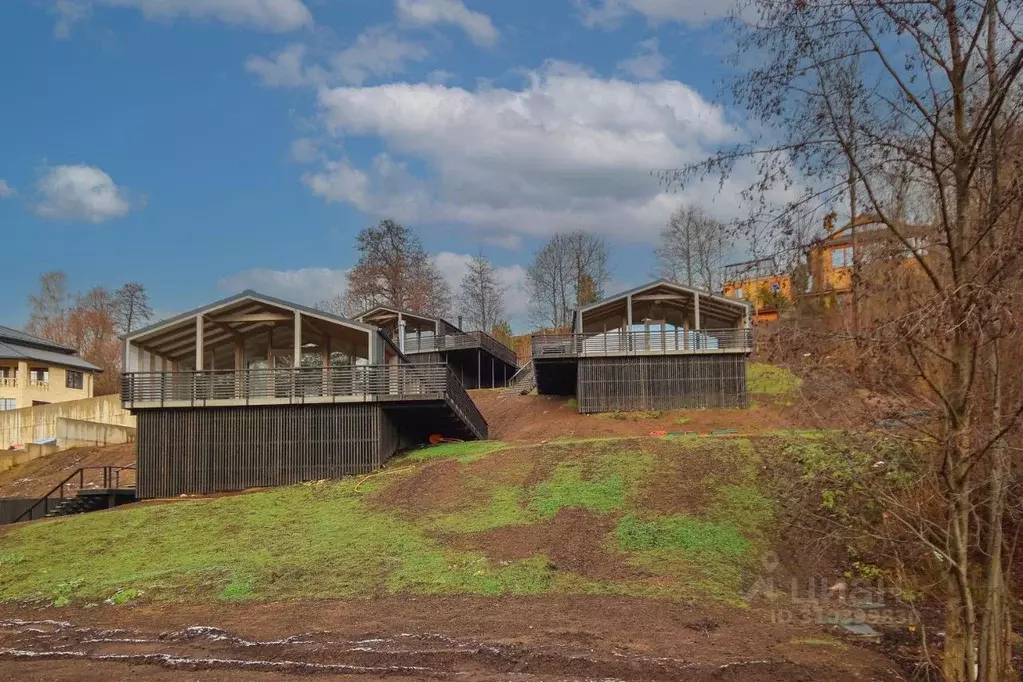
(652, 342)
(285, 385)
(462, 404)
(461, 341)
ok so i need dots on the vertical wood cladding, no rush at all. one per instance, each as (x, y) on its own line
(662, 383)
(210, 450)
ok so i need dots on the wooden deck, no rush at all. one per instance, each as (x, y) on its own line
(619, 343)
(415, 344)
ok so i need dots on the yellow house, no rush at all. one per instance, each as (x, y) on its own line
(761, 283)
(35, 371)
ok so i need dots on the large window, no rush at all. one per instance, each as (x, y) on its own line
(7, 404)
(75, 379)
(39, 374)
(842, 258)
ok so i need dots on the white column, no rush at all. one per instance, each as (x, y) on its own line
(401, 333)
(198, 343)
(696, 298)
(297, 360)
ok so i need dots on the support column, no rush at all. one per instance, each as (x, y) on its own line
(297, 360)
(696, 298)
(628, 323)
(199, 364)
(401, 333)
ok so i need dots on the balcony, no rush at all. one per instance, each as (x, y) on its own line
(8, 382)
(461, 341)
(302, 385)
(642, 343)
(38, 385)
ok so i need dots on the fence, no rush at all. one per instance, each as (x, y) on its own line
(285, 385)
(648, 342)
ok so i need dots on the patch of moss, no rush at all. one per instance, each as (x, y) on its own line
(470, 451)
(771, 380)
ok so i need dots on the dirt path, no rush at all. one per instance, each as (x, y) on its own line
(464, 638)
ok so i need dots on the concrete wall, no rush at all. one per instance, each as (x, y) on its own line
(75, 433)
(13, 458)
(37, 423)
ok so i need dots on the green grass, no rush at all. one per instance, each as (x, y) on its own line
(331, 540)
(771, 380)
(464, 452)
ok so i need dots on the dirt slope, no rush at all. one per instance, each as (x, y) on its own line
(38, 477)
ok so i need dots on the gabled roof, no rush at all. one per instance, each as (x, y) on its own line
(661, 283)
(8, 335)
(406, 313)
(251, 295)
(14, 351)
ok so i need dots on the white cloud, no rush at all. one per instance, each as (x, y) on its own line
(377, 52)
(476, 25)
(305, 285)
(567, 151)
(265, 15)
(6, 191)
(647, 64)
(68, 13)
(80, 192)
(693, 12)
(512, 278)
(303, 150)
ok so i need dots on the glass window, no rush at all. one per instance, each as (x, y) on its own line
(40, 374)
(842, 258)
(75, 379)
(740, 293)
(7, 404)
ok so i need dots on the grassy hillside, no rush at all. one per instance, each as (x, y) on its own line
(682, 519)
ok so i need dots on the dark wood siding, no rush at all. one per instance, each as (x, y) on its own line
(661, 383)
(207, 450)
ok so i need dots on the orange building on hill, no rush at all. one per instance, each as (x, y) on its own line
(829, 266)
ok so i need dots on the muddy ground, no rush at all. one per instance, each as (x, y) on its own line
(465, 638)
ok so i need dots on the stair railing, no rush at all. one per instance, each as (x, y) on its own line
(111, 479)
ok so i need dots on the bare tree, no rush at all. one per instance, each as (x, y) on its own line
(131, 307)
(50, 304)
(568, 271)
(481, 298)
(930, 113)
(394, 269)
(692, 248)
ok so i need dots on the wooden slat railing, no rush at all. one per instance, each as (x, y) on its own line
(466, 340)
(466, 409)
(652, 342)
(285, 385)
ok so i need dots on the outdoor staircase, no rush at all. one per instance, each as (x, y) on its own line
(81, 503)
(523, 382)
(70, 496)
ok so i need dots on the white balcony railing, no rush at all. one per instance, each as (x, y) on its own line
(39, 385)
(8, 382)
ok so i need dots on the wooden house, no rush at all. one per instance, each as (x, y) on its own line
(254, 391)
(477, 358)
(659, 346)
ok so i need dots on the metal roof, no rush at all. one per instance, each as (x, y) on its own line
(14, 351)
(8, 335)
(660, 283)
(409, 313)
(248, 294)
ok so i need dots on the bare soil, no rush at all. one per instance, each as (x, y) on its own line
(38, 477)
(467, 638)
(541, 417)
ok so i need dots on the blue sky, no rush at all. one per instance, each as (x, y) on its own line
(206, 146)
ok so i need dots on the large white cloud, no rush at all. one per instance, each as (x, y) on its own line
(648, 62)
(476, 25)
(567, 151)
(305, 285)
(692, 12)
(80, 192)
(265, 15)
